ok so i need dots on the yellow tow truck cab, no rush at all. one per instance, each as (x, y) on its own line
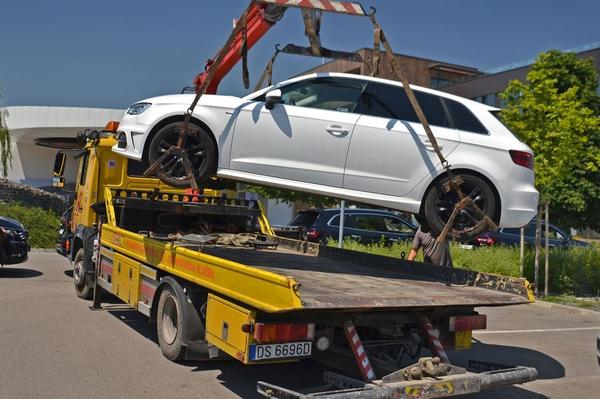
(207, 269)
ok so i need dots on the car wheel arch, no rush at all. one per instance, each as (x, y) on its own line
(178, 118)
(444, 175)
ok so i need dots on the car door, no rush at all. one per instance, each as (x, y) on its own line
(390, 152)
(305, 138)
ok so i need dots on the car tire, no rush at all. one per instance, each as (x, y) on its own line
(199, 147)
(438, 206)
(83, 289)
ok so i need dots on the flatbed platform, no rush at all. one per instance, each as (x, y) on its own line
(327, 282)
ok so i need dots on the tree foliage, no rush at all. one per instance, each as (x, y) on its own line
(5, 149)
(556, 112)
(289, 197)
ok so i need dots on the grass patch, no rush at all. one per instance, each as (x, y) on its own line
(40, 223)
(569, 300)
(574, 271)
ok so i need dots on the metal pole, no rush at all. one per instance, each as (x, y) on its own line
(341, 231)
(538, 233)
(522, 264)
(546, 250)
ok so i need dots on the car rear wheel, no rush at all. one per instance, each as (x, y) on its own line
(198, 147)
(438, 207)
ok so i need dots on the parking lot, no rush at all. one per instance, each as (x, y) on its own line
(53, 346)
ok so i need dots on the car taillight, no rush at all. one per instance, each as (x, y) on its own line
(264, 332)
(468, 323)
(312, 233)
(486, 241)
(522, 158)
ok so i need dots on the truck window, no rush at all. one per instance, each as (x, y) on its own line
(83, 169)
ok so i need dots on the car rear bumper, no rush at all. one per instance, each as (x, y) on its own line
(519, 205)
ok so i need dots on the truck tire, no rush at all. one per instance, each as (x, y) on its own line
(169, 325)
(438, 206)
(199, 147)
(83, 288)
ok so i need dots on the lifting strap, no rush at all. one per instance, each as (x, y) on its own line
(267, 75)
(244, 51)
(376, 51)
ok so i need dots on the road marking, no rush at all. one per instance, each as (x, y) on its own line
(537, 331)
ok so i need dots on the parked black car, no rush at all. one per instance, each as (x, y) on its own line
(512, 236)
(14, 247)
(363, 225)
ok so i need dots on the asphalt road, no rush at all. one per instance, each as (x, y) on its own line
(53, 346)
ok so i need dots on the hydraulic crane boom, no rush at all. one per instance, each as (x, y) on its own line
(259, 17)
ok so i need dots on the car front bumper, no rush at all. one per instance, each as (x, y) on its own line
(18, 253)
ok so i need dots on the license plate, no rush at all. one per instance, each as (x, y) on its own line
(279, 351)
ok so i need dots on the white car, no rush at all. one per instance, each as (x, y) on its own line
(348, 136)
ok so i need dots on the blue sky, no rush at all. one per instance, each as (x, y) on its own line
(112, 53)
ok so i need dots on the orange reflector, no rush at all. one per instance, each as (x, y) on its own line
(283, 332)
(468, 323)
(111, 127)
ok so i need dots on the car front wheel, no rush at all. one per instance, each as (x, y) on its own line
(439, 204)
(198, 147)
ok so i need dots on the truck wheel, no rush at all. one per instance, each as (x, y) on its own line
(438, 206)
(82, 287)
(198, 147)
(169, 325)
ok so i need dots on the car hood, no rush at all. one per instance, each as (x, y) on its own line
(10, 223)
(206, 99)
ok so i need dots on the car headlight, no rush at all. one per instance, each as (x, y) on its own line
(138, 108)
(8, 232)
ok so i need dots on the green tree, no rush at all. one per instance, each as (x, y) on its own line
(5, 149)
(290, 197)
(557, 113)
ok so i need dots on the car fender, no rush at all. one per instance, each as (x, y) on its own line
(219, 118)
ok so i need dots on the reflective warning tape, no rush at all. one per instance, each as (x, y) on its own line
(345, 7)
(366, 370)
(433, 340)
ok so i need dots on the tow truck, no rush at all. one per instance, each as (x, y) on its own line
(204, 265)
(205, 268)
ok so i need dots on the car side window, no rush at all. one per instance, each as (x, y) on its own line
(463, 119)
(394, 225)
(366, 222)
(391, 102)
(334, 94)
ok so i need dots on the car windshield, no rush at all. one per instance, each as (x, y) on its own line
(304, 218)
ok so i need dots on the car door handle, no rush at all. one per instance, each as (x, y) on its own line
(429, 146)
(337, 130)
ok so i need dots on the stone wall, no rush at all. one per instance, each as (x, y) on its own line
(16, 192)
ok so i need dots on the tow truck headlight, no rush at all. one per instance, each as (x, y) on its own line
(138, 108)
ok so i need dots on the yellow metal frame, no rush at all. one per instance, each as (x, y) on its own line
(262, 290)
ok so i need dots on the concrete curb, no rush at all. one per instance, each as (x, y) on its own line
(41, 250)
(567, 308)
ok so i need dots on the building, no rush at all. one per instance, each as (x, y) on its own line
(485, 87)
(419, 71)
(32, 164)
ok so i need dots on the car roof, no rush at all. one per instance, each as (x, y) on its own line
(12, 223)
(377, 80)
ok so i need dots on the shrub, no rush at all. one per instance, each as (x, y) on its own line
(40, 223)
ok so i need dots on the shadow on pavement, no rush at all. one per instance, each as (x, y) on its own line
(69, 273)
(548, 368)
(9, 272)
(241, 379)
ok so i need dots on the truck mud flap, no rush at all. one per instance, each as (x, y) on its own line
(409, 383)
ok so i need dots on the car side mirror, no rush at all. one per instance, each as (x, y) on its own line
(271, 98)
(59, 164)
